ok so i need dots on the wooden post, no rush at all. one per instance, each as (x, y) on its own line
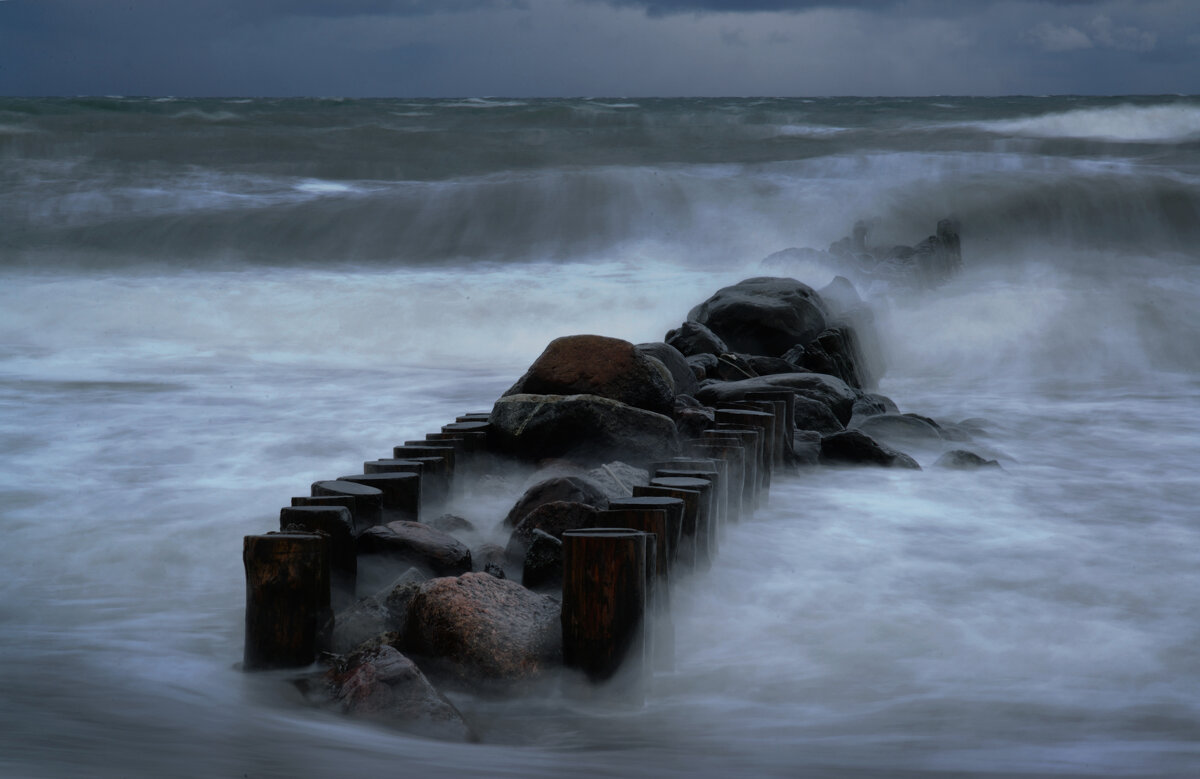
(758, 453)
(669, 538)
(697, 535)
(604, 604)
(337, 525)
(765, 423)
(730, 452)
(747, 440)
(435, 476)
(788, 426)
(685, 554)
(719, 472)
(287, 599)
(438, 473)
(401, 493)
(368, 501)
(716, 511)
(655, 522)
(777, 410)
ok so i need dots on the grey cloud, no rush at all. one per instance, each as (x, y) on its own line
(659, 8)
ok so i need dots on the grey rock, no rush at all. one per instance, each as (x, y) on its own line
(693, 338)
(569, 489)
(961, 459)
(543, 565)
(814, 415)
(854, 447)
(763, 315)
(674, 361)
(830, 390)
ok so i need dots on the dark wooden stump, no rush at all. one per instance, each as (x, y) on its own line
(703, 532)
(731, 453)
(368, 501)
(435, 476)
(337, 525)
(401, 493)
(776, 409)
(685, 556)
(748, 441)
(474, 416)
(788, 425)
(758, 453)
(419, 449)
(716, 471)
(765, 424)
(604, 605)
(656, 523)
(287, 599)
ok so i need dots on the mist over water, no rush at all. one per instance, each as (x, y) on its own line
(207, 305)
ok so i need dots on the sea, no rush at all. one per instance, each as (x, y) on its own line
(208, 304)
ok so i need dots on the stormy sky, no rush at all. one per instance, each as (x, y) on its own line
(432, 48)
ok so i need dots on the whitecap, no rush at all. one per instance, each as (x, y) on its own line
(1137, 124)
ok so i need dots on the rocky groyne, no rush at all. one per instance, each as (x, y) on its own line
(625, 464)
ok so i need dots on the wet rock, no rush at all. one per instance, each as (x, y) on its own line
(766, 366)
(587, 428)
(674, 361)
(449, 523)
(830, 390)
(479, 629)
(854, 447)
(806, 447)
(868, 404)
(543, 565)
(415, 544)
(550, 518)
(361, 622)
(961, 459)
(704, 366)
(900, 429)
(489, 558)
(815, 415)
(569, 489)
(764, 315)
(595, 365)
(617, 479)
(734, 367)
(382, 685)
(691, 422)
(693, 338)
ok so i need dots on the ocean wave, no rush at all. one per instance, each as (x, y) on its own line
(1136, 124)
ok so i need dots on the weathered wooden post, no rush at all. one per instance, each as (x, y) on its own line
(368, 501)
(673, 508)
(337, 525)
(788, 425)
(604, 605)
(714, 468)
(287, 599)
(438, 472)
(685, 556)
(401, 493)
(777, 410)
(655, 522)
(474, 416)
(729, 451)
(700, 533)
(765, 424)
(749, 440)
(716, 510)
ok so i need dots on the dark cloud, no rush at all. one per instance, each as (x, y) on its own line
(659, 8)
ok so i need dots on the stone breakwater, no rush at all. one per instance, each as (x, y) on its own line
(627, 463)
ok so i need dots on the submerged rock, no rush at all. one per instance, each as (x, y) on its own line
(415, 544)
(568, 489)
(961, 459)
(383, 685)
(764, 315)
(479, 629)
(588, 428)
(900, 429)
(597, 366)
(854, 447)
(814, 415)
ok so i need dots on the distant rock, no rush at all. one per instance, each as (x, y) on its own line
(900, 429)
(598, 366)
(854, 447)
(478, 629)
(763, 316)
(961, 459)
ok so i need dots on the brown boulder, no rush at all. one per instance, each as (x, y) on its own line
(551, 518)
(480, 629)
(597, 365)
(571, 489)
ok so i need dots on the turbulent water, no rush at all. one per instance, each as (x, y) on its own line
(205, 305)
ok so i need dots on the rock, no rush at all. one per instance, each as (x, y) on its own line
(764, 315)
(550, 518)
(830, 390)
(543, 565)
(449, 523)
(597, 366)
(489, 558)
(414, 544)
(704, 366)
(691, 422)
(693, 338)
(383, 685)
(674, 361)
(618, 479)
(734, 367)
(899, 429)
(569, 489)
(961, 459)
(869, 404)
(840, 297)
(397, 596)
(479, 629)
(815, 415)
(854, 447)
(588, 428)
(806, 447)
(766, 366)
(359, 623)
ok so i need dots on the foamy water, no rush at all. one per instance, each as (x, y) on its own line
(159, 405)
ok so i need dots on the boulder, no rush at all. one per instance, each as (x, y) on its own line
(869, 404)
(569, 489)
(479, 629)
(899, 429)
(692, 422)
(806, 447)
(382, 685)
(734, 367)
(693, 338)
(764, 315)
(489, 558)
(449, 523)
(814, 415)
(961, 459)
(359, 623)
(618, 479)
(598, 366)
(830, 390)
(704, 366)
(674, 361)
(588, 428)
(543, 565)
(854, 447)
(766, 366)
(551, 518)
(415, 544)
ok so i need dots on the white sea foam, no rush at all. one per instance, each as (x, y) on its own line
(1152, 124)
